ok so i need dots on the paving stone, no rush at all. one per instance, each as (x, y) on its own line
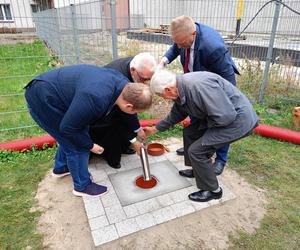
(180, 195)
(174, 157)
(94, 208)
(115, 214)
(183, 208)
(110, 199)
(160, 158)
(147, 206)
(131, 211)
(109, 170)
(87, 199)
(127, 227)
(199, 205)
(98, 222)
(106, 182)
(104, 234)
(145, 220)
(163, 214)
(98, 175)
(164, 200)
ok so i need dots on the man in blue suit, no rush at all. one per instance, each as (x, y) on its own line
(66, 101)
(201, 48)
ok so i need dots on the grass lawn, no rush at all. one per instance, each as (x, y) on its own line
(19, 63)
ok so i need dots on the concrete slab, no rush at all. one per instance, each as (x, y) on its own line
(109, 219)
(166, 174)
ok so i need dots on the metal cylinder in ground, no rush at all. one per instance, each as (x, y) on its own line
(145, 164)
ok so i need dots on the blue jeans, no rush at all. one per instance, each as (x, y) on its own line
(221, 152)
(68, 157)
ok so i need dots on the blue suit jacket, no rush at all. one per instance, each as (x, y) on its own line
(69, 99)
(210, 54)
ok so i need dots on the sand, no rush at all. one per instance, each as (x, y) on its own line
(65, 226)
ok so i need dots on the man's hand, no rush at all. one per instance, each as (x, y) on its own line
(150, 130)
(97, 149)
(161, 65)
(137, 147)
(141, 134)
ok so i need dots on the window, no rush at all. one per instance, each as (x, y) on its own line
(5, 13)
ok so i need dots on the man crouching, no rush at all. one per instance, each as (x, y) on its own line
(223, 115)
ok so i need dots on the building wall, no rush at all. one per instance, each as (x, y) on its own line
(21, 15)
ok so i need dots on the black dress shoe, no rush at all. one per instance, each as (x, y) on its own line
(219, 167)
(187, 173)
(204, 195)
(129, 151)
(116, 166)
(180, 151)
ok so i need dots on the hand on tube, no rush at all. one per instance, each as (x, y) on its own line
(141, 134)
(137, 147)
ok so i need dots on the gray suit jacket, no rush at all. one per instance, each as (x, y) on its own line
(224, 110)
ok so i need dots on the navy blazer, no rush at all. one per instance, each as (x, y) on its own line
(210, 54)
(69, 99)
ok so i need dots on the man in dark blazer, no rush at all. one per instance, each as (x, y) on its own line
(139, 68)
(201, 48)
(65, 101)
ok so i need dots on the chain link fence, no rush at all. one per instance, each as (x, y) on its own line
(35, 36)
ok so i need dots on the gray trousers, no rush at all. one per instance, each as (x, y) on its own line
(199, 157)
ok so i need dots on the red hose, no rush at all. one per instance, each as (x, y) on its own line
(278, 133)
(39, 142)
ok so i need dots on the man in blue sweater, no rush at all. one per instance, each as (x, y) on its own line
(65, 101)
(201, 48)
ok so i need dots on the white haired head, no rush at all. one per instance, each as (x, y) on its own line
(162, 79)
(143, 60)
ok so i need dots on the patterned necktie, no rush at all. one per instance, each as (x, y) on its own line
(186, 61)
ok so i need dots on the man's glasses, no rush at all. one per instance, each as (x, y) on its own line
(143, 79)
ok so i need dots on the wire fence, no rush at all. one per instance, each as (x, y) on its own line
(35, 36)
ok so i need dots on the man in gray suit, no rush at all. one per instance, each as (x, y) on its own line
(224, 115)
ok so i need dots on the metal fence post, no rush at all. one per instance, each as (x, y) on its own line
(75, 33)
(269, 53)
(113, 28)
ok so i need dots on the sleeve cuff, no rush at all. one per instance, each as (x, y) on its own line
(137, 130)
(165, 60)
(133, 140)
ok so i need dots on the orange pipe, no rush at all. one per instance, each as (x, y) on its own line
(40, 141)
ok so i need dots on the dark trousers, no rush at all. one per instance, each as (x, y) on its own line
(199, 156)
(113, 134)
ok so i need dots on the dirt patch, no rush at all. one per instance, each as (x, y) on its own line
(65, 226)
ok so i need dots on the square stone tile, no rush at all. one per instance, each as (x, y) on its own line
(127, 227)
(183, 208)
(94, 209)
(145, 220)
(98, 222)
(115, 214)
(109, 200)
(131, 211)
(104, 234)
(164, 214)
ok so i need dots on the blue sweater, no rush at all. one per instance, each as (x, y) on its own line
(70, 98)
